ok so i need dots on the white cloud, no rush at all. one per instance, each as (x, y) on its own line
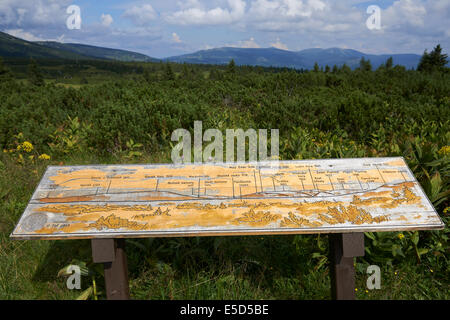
(280, 10)
(408, 25)
(106, 20)
(207, 47)
(141, 15)
(279, 45)
(19, 33)
(404, 13)
(319, 18)
(187, 4)
(250, 43)
(176, 38)
(196, 15)
(25, 13)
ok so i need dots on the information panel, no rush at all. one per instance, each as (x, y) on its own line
(272, 197)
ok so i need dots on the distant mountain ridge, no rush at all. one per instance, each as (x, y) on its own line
(304, 59)
(98, 52)
(11, 46)
(18, 48)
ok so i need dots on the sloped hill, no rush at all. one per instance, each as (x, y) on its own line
(14, 47)
(98, 52)
(18, 48)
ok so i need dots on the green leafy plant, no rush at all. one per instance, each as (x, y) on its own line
(70, 137)
(133, 149)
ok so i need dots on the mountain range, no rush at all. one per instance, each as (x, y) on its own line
(268, 57)
(304, 59)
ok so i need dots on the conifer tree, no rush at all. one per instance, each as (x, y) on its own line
(365, 65)
(231, 67)
(5, 74)
(389, 63)
(34, 74)
(316, 67)
(435, 60)
(335, 69)
(345, 68)
(185, 72)
(169, 72)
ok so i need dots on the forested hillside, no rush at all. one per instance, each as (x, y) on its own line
(13, 47)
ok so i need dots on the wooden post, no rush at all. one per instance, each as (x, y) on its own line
(111, 252)
(343, 248)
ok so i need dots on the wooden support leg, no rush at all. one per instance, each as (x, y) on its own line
(111, 252)
(343, 248)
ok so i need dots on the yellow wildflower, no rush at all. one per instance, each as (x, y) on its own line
(445, 150)
(401, 236)
(44, 157)
(27, 146)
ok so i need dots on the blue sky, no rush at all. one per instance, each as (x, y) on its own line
(163, 28)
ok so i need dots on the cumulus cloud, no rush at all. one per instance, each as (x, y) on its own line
(405, 14)
(408, 25)
(279, 45)
(417, 18)
(284, 9)
(106, 20)
(299, 16)
(196, 15)
(250, 43)
(141, 15)
(20, 33)
(25, 13)
(176, 38)
(34, 20)
(187, 4)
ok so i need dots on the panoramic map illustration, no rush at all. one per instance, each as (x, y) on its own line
(272, 197)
